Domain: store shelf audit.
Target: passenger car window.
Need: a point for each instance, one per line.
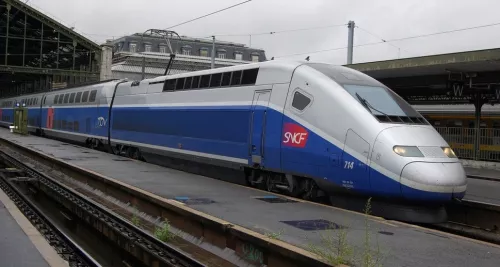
(93, 94)
(85, 96)
(78, 97)
(300, 101)
(72, 98)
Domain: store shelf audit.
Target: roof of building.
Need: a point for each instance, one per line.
(468, 61)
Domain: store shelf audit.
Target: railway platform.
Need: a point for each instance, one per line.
(20, 242)
(483, 182)
(300, 223)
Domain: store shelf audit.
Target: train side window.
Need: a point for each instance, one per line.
(236, 78)
(92, 96)
(56, 98)
(249, 76)
(85, 96)
(300, 101)
(189, 80)
(205, 81)
(66, 98)
(196, 82)
(226, 79)
(170, 85)
(180, 84)
(72, 98)
(78, 97)
(216, 79)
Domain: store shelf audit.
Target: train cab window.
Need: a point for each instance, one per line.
(205, 81)
(85, 96)
(66, 98)
(300, 101)
(196, 81)
(72, 98)
(93, 95)
(236, 80)
(249, 76)
(216, 79)
(180, 84)
(187, 85)
(78, 97)
(226, 79)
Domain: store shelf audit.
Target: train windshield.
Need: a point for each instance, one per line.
(381, 101)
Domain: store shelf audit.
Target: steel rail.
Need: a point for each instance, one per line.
(164, 252)
(63, 244)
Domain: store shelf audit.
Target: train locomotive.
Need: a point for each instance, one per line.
(306, 129)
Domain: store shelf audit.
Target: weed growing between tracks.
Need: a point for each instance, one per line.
(164, 233)
(336, 250)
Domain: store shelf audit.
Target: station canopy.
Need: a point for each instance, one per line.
(455, 78)
(37, 52)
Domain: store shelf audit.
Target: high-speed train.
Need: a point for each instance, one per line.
(304, 128)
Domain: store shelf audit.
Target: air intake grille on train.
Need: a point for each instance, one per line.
(432, 151)
(401, 119)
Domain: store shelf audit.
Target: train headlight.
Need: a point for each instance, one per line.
(407, 151)
(449, 152)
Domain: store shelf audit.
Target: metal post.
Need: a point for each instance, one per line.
(213, 52)
(350, 41)
(7, 34)
(24, 38)
(143, 67)
(478, 103)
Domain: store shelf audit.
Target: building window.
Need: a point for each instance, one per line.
(147, 48)
(204, 52)
(255, 58)
(221, 55)
(186, 51)
(163, 49)
(238, 56)
(132, 47)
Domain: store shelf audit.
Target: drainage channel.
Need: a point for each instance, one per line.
(83, 231)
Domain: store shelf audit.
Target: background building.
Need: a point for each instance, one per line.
(137, 56)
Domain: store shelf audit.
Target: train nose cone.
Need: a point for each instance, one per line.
(433, 180)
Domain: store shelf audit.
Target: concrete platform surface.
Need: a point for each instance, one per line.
(21, 245)
(400, 244)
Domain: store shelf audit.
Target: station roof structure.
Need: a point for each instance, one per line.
(37, 51)
(445, 79)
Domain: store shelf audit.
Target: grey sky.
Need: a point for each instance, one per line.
(389, 19)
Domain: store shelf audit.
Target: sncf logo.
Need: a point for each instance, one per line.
(294, 135)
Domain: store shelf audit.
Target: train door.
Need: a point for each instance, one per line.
(355, 162)
(258, 114)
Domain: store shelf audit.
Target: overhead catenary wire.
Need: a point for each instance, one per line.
(394, 40)
(283, 31)
(382, 39)
(220, 10)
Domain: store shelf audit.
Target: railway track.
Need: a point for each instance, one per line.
(467, 218)
(63, 244)
(143, 244)
(218, 234)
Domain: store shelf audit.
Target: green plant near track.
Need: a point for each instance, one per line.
(135, 219)
(336, 250)
(275, 235)
(164, 233)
